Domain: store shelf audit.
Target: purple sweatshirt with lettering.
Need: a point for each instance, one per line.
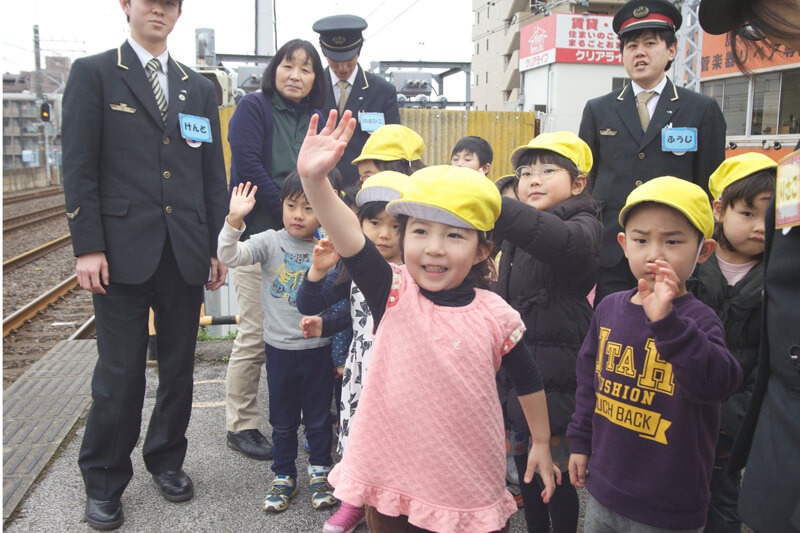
(648, 408)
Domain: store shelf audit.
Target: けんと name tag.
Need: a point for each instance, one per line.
(194, 128)
(679, 140)
(371, 121)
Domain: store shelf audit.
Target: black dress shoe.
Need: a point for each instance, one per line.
(175, 485)
(103, 514)
(251, 443)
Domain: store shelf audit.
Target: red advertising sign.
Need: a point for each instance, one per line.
(566, 38)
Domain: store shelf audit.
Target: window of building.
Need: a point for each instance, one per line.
(789, 121)
(768, 104)
(487, 45)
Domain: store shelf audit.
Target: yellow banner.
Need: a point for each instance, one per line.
(648, 424)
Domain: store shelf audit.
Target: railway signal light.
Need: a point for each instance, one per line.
(44, 112)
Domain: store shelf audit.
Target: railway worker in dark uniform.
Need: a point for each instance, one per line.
(650, 128)
(372, 100)
(146, 198)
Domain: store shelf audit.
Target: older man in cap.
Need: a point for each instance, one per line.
(371, 99)
(649, 128)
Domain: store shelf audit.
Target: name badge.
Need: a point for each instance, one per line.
(194, 128)
(371, 121)
(679, 140)
(787, 192)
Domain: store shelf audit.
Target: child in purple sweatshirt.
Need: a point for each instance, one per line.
(652, 373)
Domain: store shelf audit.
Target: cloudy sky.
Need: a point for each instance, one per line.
(408, 30)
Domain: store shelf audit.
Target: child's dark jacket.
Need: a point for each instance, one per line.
(547, 267)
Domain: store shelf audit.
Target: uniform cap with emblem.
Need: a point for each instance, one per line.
(340, 36)
(735, 168)
(456, 196)
(563, 143)
(646, 15)
(679, 194)
(384, 186)
(392, 142)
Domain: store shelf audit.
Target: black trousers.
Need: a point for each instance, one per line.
(118, 384)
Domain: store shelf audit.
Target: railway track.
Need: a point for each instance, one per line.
(31, 255)
(41, 215)
(43, 193)
(34, 307)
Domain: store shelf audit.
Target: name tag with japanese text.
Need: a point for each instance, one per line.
(371, 121)
(787, 192)
(194, 128)
(679, 140)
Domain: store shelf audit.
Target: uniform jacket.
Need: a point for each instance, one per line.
(769, 436)
(370, 94)
(624, 158)
(547, 267)
(129, 179)
(739, 308)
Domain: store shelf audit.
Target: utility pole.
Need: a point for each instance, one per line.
(41, 97)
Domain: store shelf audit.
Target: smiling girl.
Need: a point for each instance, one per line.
(414, 457)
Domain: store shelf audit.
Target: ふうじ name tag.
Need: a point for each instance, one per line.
(195, 129)
(679, 140)
(371, 121)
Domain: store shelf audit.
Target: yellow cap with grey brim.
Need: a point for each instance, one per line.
(685, 196)
(392, 142)
(382, 187)
(456, 196)
(735, 168)
(563, 143)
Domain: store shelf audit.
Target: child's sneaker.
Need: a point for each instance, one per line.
(321, 490)
(345, 520)
(283, 488)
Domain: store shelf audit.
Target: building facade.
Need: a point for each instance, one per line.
(497, 84)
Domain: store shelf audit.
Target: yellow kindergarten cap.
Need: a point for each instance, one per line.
(382, 187)
(679, 194)
(456, 196)
(563, 143)
(735, 168)
(392, 142)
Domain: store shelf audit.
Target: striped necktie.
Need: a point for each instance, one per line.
(153, 66)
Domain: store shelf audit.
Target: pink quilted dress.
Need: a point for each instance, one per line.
(428, 438)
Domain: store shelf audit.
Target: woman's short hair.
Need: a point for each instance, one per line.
(317, 95)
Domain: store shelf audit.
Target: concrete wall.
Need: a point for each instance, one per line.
(565, 88)
(21, 179)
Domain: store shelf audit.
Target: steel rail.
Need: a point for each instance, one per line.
(25, 313)
(17, 198)
(31, 255)
(21, 221)
(84, 331)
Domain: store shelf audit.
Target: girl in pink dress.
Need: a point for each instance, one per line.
(425, 452)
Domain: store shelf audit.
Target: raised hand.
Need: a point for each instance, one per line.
(657, 302)
(321, 151)
(323, 258)
(243, 200)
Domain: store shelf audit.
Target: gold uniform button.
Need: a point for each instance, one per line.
(642, 155)
(165, 140)
(169, 209)
(638, 182)
(166, 174)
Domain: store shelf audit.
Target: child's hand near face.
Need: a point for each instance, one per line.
(243, 200)
(657, 302)
(311, 326)
(323, 258)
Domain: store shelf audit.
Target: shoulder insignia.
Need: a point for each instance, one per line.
(608, 132)
(73, 214)
(641, 12)
(122, 106)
